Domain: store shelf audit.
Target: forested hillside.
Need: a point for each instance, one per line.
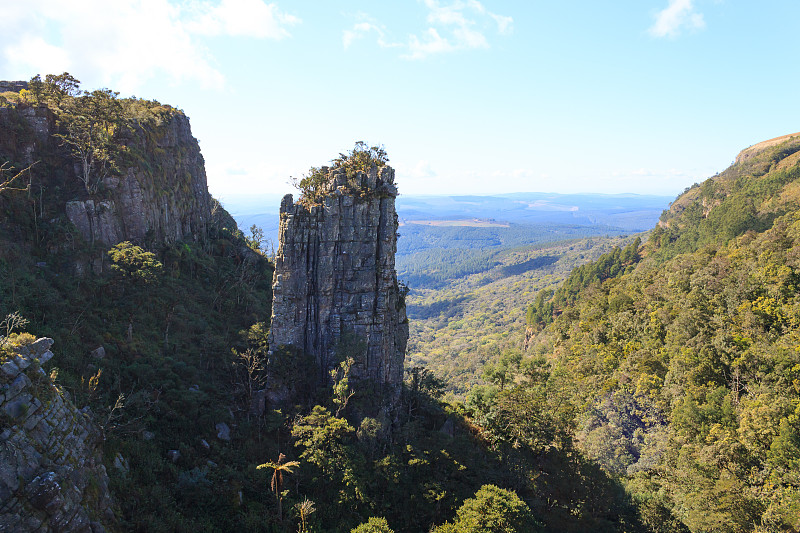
(681, 360)
(436, 257)
(471, 318)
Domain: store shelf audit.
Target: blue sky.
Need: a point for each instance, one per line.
(643, 96)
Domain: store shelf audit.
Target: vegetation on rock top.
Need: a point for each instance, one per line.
(355, 164)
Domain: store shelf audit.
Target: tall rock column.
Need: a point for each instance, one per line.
(335, 287)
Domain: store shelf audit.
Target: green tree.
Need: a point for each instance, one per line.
(279, 468)
(136, 269)
(321, 434)
(492, 510)
(258, 242)
(92, 122)
(134, 264)
(534, 417)
(59, 86)
(341, 385)
(324, 440)
(36, 87)
(373, 525)
(503, 370)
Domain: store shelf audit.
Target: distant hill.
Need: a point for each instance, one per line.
(433, 219)
(629, 212)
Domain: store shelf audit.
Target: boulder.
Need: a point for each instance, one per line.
(223, 431)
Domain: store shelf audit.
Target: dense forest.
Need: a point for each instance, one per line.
(657, 388)
(434, 257)
(682, 357)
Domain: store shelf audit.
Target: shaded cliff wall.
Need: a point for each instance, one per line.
(163, 197)
(51, 473)
(161, 192)
(335, 287)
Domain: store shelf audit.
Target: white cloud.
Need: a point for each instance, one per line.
(463, 26)
(243, 18)
(678, 15)
(504, 24)
(449, 14)
(419, 177)
(358, 31)
(422, 169)
(469, 38)
(37, 51)
(125, 43)
(431, 43)
(452, 26)
(364, 28)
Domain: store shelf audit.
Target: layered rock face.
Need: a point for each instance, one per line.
(335, 287)
(160, 195)
(51, 473)
(168, 203)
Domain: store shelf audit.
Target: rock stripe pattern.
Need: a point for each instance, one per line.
(335, 285)
(52, 477)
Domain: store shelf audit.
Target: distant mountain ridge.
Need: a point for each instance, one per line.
(631, 212)
(624, 212)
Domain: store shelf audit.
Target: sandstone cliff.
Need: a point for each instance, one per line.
(335, 286)
(51, 473)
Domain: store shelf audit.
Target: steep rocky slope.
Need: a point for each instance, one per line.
(167, 203)
(158, 191)
(145, 329)
(52, 476)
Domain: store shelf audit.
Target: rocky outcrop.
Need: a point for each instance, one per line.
(51, 473)
(335, 287)
(164, 198)
(160, 193)
(13, 86)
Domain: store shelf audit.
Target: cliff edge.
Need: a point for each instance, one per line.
(117, 169)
